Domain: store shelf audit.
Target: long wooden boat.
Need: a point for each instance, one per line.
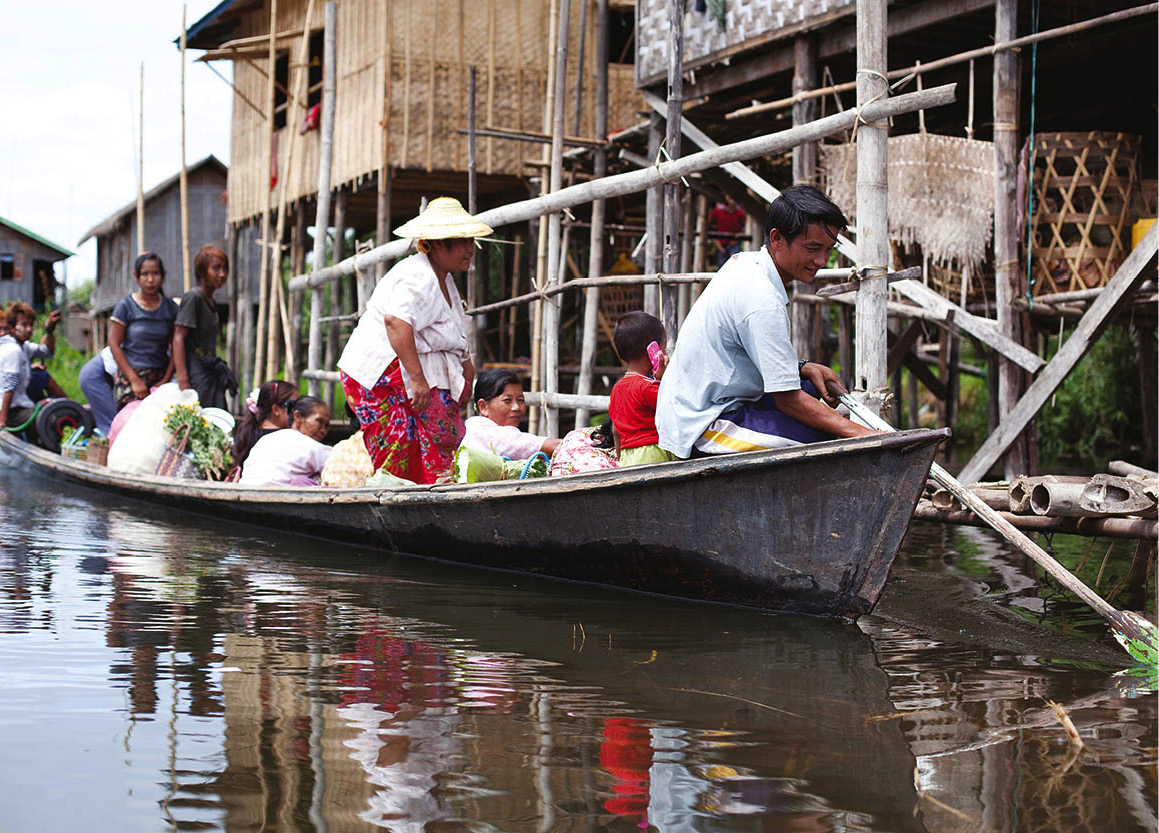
(811, 529)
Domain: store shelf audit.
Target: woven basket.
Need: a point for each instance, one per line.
(176, 461)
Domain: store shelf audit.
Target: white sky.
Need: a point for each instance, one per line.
(68, 112)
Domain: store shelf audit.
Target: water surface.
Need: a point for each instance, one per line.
(160, 671)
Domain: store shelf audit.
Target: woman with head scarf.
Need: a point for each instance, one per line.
(406, 370)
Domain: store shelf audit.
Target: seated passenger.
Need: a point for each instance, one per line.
(96, 380)
(633, 401)
(292, 456)
(16, 353)
(499, 401)
(267, 410)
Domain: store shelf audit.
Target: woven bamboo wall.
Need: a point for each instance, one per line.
(429, 46)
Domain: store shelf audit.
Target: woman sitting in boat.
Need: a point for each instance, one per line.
(195, 356)
(406, 369)
(141, 333)
(292, 456)
(501, 406)
(16, 355)
(267, 410)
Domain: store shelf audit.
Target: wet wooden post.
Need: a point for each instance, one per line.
(872, 201)
(596, 239)
(321, 221)
(264, 260)
(555, 255)
(654, 219)
(671, 231)
(1007, 264)
(804, 173)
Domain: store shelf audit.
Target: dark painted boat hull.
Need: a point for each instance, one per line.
(811, 529)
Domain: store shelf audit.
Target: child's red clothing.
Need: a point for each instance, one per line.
(633, 410)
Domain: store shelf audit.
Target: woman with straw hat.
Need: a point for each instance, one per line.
(406, 369)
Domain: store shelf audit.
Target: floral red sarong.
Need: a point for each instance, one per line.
(417, 447)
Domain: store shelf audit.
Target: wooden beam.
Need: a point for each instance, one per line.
(743, 173)
(902, 344)
(1085, 334)
(983, 329)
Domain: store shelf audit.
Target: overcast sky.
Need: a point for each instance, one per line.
(68, 112)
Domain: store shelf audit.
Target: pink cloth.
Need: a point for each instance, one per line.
(575, 454)
(121, 418)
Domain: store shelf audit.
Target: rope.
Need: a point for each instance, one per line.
(663, 151)
(17, 428)
(857, 118)
(863, 273)
(1030, 172)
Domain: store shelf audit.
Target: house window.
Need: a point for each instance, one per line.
(7, 267)
(282, 79)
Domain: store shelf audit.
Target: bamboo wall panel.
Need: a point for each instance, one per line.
(432, 44)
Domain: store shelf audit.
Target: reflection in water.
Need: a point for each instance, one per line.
(169, 672)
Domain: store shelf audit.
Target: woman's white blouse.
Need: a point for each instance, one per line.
(410, 292)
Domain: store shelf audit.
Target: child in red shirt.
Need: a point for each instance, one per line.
(633, 405)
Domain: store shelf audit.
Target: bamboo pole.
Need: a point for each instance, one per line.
(872, 201)
(533, 415)
(277, 309)
(654, 218)
(640, 180)
(1007, 245)
(186, 261)
(672, 118)
(325, 154)
(804, 173)
(336, 301)
(555, 255)
(264, 260)
(141, 163)
(952, 60)
(475, 336)
(597, 281)
(382, 213)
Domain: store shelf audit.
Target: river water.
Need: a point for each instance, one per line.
(161, 671)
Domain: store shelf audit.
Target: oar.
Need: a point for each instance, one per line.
(1135, 633)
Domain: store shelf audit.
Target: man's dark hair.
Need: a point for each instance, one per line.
(492, 383)
(634, 332)
(797, 207)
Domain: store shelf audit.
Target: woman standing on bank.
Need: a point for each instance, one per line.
(406, 370)
(195, 334)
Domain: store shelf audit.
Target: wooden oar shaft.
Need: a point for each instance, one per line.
(1010, 532)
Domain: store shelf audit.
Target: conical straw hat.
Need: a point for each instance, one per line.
(444, 218)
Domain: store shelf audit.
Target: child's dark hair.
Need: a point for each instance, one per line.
(204, 255)
(145, 256)
(273, 392)
(492, 383)
(797, 207)
(634, 332)
(304, 406)
(604, 436)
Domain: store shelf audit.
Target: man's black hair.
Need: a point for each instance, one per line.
(492, 383)
(797, 207)
(634, 332)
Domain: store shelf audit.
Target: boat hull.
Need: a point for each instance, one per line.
(811, 529)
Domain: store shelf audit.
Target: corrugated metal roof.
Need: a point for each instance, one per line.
(34, 236)
(111, 222)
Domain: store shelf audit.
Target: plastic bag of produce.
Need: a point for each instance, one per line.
(143, 439)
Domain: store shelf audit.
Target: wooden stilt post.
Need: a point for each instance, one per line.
(654, 219)
(872, 201)
(474, 338)
(297, 257)
(382, 232)
(555, 255)
(271, 156)
(684, 290)
(245, 301)
(231, 328)
(1008, 273)
(186, 260)
(596, 239)
(322, 219)
(336, 305)
(671, 249)
(804, 173)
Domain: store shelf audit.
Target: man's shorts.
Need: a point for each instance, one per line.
(757, 426)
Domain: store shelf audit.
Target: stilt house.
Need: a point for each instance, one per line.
(26, 265)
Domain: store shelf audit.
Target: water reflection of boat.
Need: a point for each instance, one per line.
(812, 529)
